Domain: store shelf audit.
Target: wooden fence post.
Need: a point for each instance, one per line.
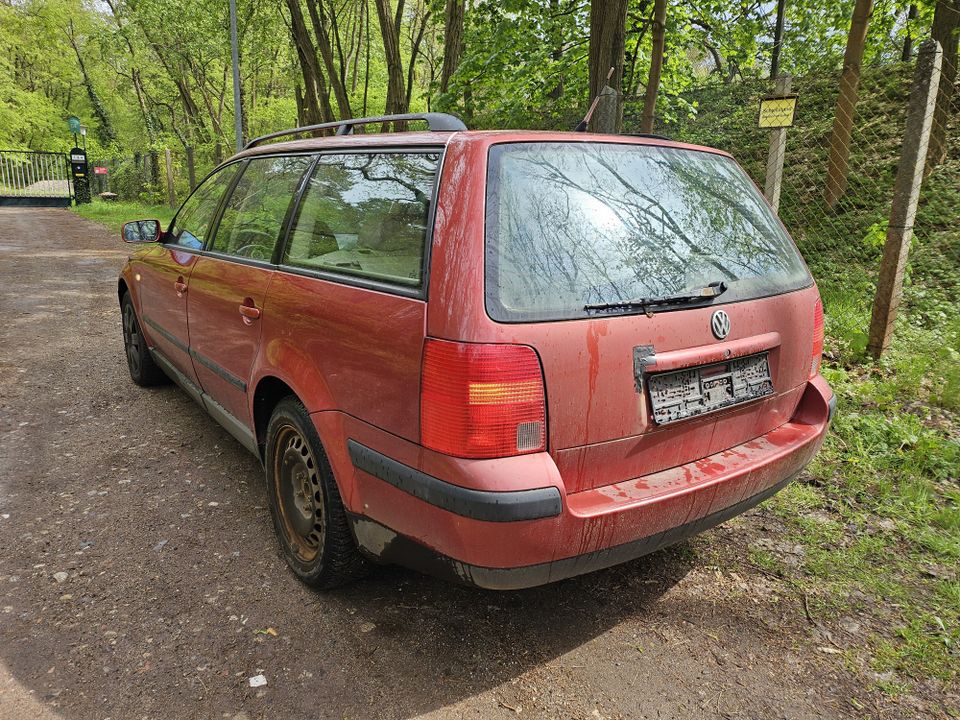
(171, 196)
(778, 146)
(191, 168)
(906, 193)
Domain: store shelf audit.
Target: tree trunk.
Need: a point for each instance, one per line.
(319, 20)
(414, 50)
(777, 40)
(837, 165)
(390, 31)
(136, 79)
(452, 41)
(631, 83)
(656, 65)
(946, 26)
(316, 99)
(105, 132)
(303, 116)
(907, 51)
(177, 77)
(366, 62)
(608, 19)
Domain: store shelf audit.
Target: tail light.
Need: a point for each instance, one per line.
(481, 401)
(817, 353)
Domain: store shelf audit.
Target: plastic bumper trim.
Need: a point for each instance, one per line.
(510, 506)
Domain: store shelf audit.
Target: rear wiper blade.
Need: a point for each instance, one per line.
(707, 292)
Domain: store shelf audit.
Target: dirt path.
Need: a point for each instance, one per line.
(139, 577)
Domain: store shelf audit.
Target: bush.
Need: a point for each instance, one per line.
(127, 180)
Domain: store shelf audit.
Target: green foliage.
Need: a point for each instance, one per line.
(158, 70)
(115, 214)
(887, 520)
(127, 180)
(525, 65)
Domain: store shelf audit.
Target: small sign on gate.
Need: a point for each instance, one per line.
(99, 170)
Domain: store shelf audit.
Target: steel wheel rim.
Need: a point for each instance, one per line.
(132, 340)
(298, 494)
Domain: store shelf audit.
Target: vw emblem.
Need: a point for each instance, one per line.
(720, 324)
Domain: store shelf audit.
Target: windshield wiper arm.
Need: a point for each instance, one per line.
(707, 292)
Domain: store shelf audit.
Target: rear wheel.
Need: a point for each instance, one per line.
(143, 370)
(305, 503)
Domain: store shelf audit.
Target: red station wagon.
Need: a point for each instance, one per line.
(501, 357)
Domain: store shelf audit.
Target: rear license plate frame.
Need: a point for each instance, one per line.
(694, 391)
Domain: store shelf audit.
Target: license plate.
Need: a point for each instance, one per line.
(686, 393)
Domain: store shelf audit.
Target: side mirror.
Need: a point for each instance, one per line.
(141, 231)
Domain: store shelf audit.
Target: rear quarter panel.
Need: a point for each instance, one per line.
(345, 348)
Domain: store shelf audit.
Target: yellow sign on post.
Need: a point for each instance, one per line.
(777, 112)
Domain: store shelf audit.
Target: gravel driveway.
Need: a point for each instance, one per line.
(139, 576)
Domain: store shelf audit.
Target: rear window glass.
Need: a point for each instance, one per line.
(365, 215)
(571, 224)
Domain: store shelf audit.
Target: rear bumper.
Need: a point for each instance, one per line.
(536, 533)
(401, 550)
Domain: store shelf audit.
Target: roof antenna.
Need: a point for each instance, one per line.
(582, 125)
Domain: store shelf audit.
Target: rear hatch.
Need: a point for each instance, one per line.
(672, 314)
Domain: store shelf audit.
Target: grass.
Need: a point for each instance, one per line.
(114, 214)
(879, 513)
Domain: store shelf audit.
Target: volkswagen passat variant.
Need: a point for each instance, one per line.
(502, 357)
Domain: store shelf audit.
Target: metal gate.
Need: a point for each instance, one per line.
(28, 177)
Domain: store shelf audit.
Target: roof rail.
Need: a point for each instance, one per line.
(652, 136)
(437, 122)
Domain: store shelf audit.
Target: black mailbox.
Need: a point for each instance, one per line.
(79, 173)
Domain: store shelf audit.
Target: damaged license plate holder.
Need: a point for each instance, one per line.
(686, 393)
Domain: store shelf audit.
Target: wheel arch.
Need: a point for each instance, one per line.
(269, 392)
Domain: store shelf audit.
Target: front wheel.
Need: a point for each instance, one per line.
(143, 370)
(308, 514)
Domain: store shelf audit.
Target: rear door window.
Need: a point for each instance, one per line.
(253, 217)
(193, 221)
(365, 215)
(572, 224)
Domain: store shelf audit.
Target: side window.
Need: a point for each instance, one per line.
(192, 223)
(253, 216)
(365, 215)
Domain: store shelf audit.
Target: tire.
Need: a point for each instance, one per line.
(307, 510)
(143, 370)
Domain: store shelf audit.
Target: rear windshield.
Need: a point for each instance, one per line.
(572, 224)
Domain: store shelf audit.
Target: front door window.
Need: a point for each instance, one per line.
(192, 224)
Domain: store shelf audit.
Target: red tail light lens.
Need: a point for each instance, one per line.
(481, 401)
(817, 353)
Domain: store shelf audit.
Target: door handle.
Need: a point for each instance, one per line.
(249, 313)
(180, 286)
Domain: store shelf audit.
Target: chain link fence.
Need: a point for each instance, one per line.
(843, 242)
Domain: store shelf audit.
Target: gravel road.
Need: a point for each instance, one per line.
(139, 576)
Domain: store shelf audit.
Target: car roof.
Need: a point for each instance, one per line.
(441, 139)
